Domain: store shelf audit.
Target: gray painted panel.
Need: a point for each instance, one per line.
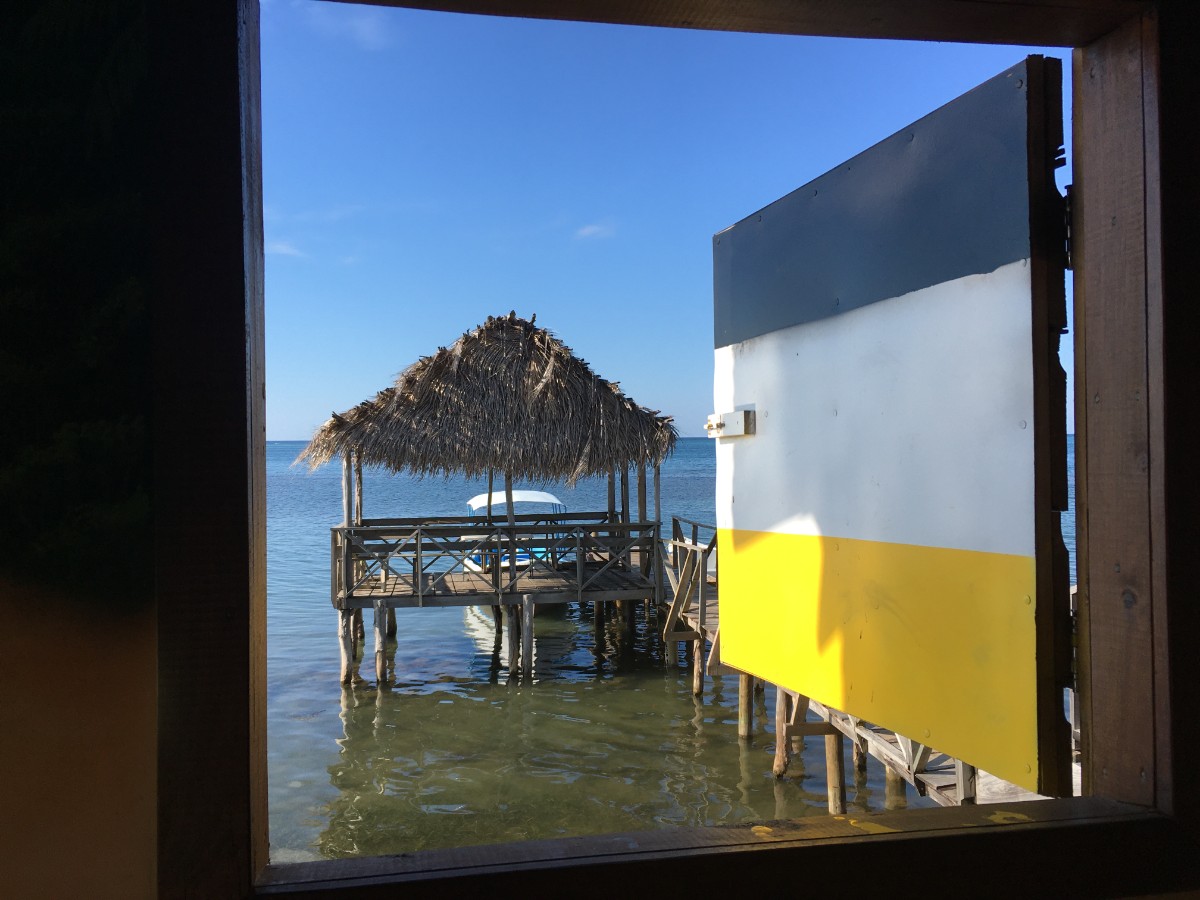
(944, 198)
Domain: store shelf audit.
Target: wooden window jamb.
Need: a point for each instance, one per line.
(209, 443)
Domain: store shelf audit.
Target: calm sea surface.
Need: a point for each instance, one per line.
(607, 737)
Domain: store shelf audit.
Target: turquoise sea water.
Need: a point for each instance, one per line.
(606, 737)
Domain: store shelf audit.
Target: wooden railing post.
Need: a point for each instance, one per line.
(419, 568)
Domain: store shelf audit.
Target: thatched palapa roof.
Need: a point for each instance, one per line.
(506, 397)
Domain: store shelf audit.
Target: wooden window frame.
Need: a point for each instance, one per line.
(1135, 98)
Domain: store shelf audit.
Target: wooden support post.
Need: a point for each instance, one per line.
(512, 540)
(659, 595)
(964, 777)
(624, 496)
(624, 563)
(860, 757)
(358, 490)
(895, 789)
(347, 560)
(381, 612)
(527, 635)
(347, 490)
(782, 743)
(698, 666)
(391, 622)
(745, 705)
(643, 544)
(612, 509)
(658, 494)
(345, 642)
(835, 774)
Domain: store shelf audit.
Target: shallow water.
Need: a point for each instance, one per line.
(605, 737)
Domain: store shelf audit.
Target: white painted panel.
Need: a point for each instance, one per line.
(909, 421)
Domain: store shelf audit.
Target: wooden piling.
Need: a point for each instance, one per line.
(782, 741)
(381, 612)
(514, 636)
(698, 666)
(745, 705)
(835, 773)
(527, 635)
(346, 643)
(895, 789)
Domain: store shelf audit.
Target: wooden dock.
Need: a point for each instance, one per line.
(413, 563)
(530, 560)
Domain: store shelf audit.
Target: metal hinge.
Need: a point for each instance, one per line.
(1068, 236)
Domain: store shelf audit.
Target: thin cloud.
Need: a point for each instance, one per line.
(282, 248)
(595, 231)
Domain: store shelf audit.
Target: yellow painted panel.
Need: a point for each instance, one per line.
(932, 643)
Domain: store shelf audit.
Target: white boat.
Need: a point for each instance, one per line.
(549, 503)
(524, 503)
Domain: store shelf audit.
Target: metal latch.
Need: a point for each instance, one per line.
(738, 423)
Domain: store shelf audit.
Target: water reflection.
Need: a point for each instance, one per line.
(603, 738)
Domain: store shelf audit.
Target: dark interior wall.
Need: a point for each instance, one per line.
(78, 648)
(77, 623)
(74, 361)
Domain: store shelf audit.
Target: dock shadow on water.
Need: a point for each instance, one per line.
(604, 736)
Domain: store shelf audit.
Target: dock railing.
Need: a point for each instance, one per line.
(425, 558)
(690, 550)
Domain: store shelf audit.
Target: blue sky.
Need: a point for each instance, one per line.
(423, 171)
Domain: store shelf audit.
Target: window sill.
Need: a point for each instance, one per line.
(1031, 848)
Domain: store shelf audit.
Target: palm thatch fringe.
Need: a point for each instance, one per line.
(508, 397)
